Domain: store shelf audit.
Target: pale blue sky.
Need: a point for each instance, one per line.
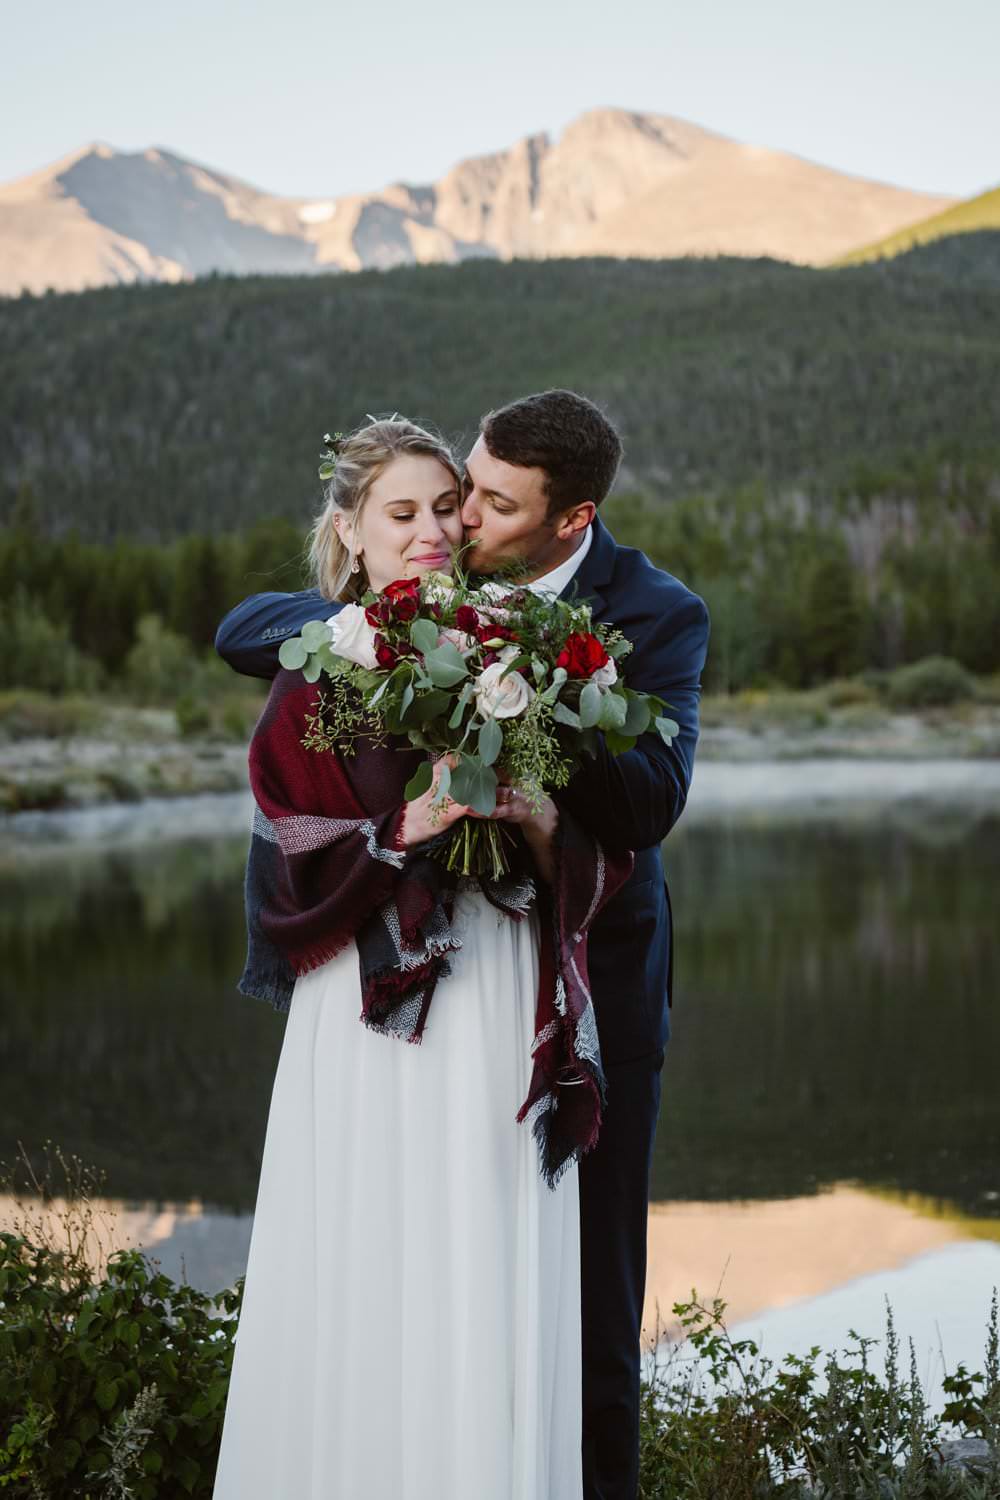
(309, 98)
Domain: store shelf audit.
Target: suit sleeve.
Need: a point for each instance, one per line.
(249, 637)
(632, 800)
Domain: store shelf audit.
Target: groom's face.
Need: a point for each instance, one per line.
(505, 512)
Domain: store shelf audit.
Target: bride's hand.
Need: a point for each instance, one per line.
(427, 816)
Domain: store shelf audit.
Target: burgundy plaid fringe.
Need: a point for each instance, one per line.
(327, 867)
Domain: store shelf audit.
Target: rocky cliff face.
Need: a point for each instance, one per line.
(615, 183)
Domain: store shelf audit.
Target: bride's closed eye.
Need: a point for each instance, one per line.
(439, 510)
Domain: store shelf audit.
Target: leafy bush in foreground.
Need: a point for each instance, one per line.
(113, 1385)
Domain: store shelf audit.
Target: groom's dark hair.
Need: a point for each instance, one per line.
(562, 433)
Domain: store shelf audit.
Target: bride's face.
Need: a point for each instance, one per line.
(410, 521)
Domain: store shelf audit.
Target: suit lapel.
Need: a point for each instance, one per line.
(595, 572)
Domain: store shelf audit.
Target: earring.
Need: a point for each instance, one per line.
(357, 567)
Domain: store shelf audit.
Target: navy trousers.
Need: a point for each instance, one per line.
(614, 1199)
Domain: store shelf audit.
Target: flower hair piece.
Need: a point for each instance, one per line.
(333, 444)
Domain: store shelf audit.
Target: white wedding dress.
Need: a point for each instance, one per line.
(410, 1326)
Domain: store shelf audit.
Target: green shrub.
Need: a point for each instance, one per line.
(238, 718)
(79, 1361)
(847, 692)
(26, 715)
(160, 665)
(193, 716)
(39, 653)
(724, 1422)
(114, 1385)
(934, 681)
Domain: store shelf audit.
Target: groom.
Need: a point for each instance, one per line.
(534, 480)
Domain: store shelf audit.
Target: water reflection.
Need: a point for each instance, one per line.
(834, 1018)
(836, 1013)
(830, 1121)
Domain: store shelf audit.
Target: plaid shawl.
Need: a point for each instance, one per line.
(326, 867)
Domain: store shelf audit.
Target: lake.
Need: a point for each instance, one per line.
(830, 1127)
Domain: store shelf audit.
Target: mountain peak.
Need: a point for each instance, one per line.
(615, 182)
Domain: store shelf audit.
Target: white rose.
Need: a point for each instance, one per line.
(353, 637)
(500, 697)
(606, 676)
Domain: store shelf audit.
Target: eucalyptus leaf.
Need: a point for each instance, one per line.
(419, 782)
(315, 633)
(312, 669)
(406, 699)
(613, 711)
(617, 743)
(637, 715)
(590, 705)
(424, 635)
(667, 729)
(461, 704)
(292, 653)
(617, 649)
(552, 691)
(564, 715)
(442, 672)
(474, 785)
(449, 653)
(444, 782)
(430, 705)
(333, 666)
(490, 742)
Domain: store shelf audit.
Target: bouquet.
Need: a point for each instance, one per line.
(494, 682)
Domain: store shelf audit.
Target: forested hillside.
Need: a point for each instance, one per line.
(816, 452)
(153, 411)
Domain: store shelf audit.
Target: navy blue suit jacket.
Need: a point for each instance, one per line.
(628, 801)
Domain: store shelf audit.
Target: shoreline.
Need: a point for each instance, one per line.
(140, 756)
(924, 793)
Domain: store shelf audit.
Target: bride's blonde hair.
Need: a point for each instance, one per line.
(358, 459)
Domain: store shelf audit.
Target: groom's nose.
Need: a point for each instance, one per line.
(472, 515)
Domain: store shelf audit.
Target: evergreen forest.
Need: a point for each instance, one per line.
(815, 451)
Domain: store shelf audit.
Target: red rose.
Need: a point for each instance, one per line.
(406, 607)
(466, 619)
(384, 653)
(402, 588)
(379, 613)
(495, 633)
(582, 655)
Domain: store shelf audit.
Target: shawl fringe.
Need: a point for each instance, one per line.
(327, 866)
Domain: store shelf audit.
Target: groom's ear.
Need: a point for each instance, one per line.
(577, 518)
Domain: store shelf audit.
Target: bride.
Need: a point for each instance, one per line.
(410, 1326)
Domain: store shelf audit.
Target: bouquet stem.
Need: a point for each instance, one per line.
(476, 847)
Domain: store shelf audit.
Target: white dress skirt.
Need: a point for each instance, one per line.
(410, 1327)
